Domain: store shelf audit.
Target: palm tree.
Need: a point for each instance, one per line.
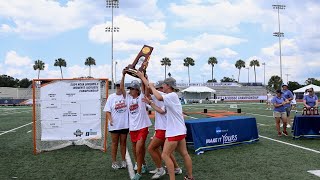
(165, 62)
(212, 61)
(89, 62)
(61, 63)
(188, 62)
(240, 64)
(38, 65)
(275, 82)
(254, 63)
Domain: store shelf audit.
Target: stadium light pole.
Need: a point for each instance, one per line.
(279, 34)
(264, 73)
(248, 75)
(112, 4)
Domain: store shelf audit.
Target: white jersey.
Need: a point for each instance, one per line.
(117, 106)
(269, 97)
(138, 115)
(175, 121)
(160, 119)
(293, 101)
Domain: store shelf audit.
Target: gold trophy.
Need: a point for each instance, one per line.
(141, 61)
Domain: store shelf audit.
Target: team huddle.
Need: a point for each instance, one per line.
(126, 112)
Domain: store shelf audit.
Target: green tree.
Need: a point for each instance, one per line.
(38, 65)
(227, 79)
(275, 82)
(312, 81)
(212, 61)
(239, 65)
(61, 63)
(165, 62)
(8, 81)
(292, 85)
(254, 63)
(90, 62)
(188, 62)
(24, 83)
(212, 80)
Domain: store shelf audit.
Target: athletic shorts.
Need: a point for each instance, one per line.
(161, 134)
(279, 114)
(137, 135)
(177, 138)
(120, 131)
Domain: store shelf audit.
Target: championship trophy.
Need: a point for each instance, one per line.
(141, 61)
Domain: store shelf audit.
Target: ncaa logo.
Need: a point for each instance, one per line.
(218, 130)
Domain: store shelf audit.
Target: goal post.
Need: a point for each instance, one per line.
(69, 112)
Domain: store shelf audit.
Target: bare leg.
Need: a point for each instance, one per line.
(169, 147)
(114, 146)
(154, 151)
(140, 152)
(123, 146)
(182, 149)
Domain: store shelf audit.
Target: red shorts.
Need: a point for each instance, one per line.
(137, 135)
(160, 134)
(176, 138)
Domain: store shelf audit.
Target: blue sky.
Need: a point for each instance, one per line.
(226, 29)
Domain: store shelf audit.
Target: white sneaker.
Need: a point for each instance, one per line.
(281, 125)
(135, 166)
(153, 171)
(288, 126)
(115, 166)
(177, 171)
(123, 165)
(160, 172)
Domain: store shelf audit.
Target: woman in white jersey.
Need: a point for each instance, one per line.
(175, 130)
(160, 128)
(139, 122)
(117, 114)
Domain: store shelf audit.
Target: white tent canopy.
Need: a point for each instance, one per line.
(303, 89)
(199, 89)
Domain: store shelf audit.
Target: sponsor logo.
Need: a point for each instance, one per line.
(78, 133)
(219, 130)
(91, 133)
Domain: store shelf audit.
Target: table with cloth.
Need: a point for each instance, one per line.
(215, 133)
(307, 126)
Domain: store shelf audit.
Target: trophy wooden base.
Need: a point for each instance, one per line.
(132, 72)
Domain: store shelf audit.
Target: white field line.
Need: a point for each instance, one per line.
(29, 131)
(129, 164)
(315, 172)
(15, 129)
(301, 147)
(6, 131)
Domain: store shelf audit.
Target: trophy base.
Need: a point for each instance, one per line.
(132, 72)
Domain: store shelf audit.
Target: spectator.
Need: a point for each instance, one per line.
(279, 112)
(310, 101)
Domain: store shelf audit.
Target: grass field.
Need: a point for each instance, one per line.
(265, 159)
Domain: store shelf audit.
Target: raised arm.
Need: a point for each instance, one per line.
(124, 93)
(153, 105)
(144, 84)
(155, 92)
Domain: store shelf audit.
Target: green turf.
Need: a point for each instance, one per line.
(262, 160)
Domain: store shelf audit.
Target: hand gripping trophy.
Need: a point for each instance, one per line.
(141, 62)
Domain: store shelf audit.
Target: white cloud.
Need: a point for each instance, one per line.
(38, 18)
(12, 58)
(5, 28)
(220, 15)
(131, 30)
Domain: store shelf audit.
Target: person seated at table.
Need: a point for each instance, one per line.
(310, 102)
(279, 112)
